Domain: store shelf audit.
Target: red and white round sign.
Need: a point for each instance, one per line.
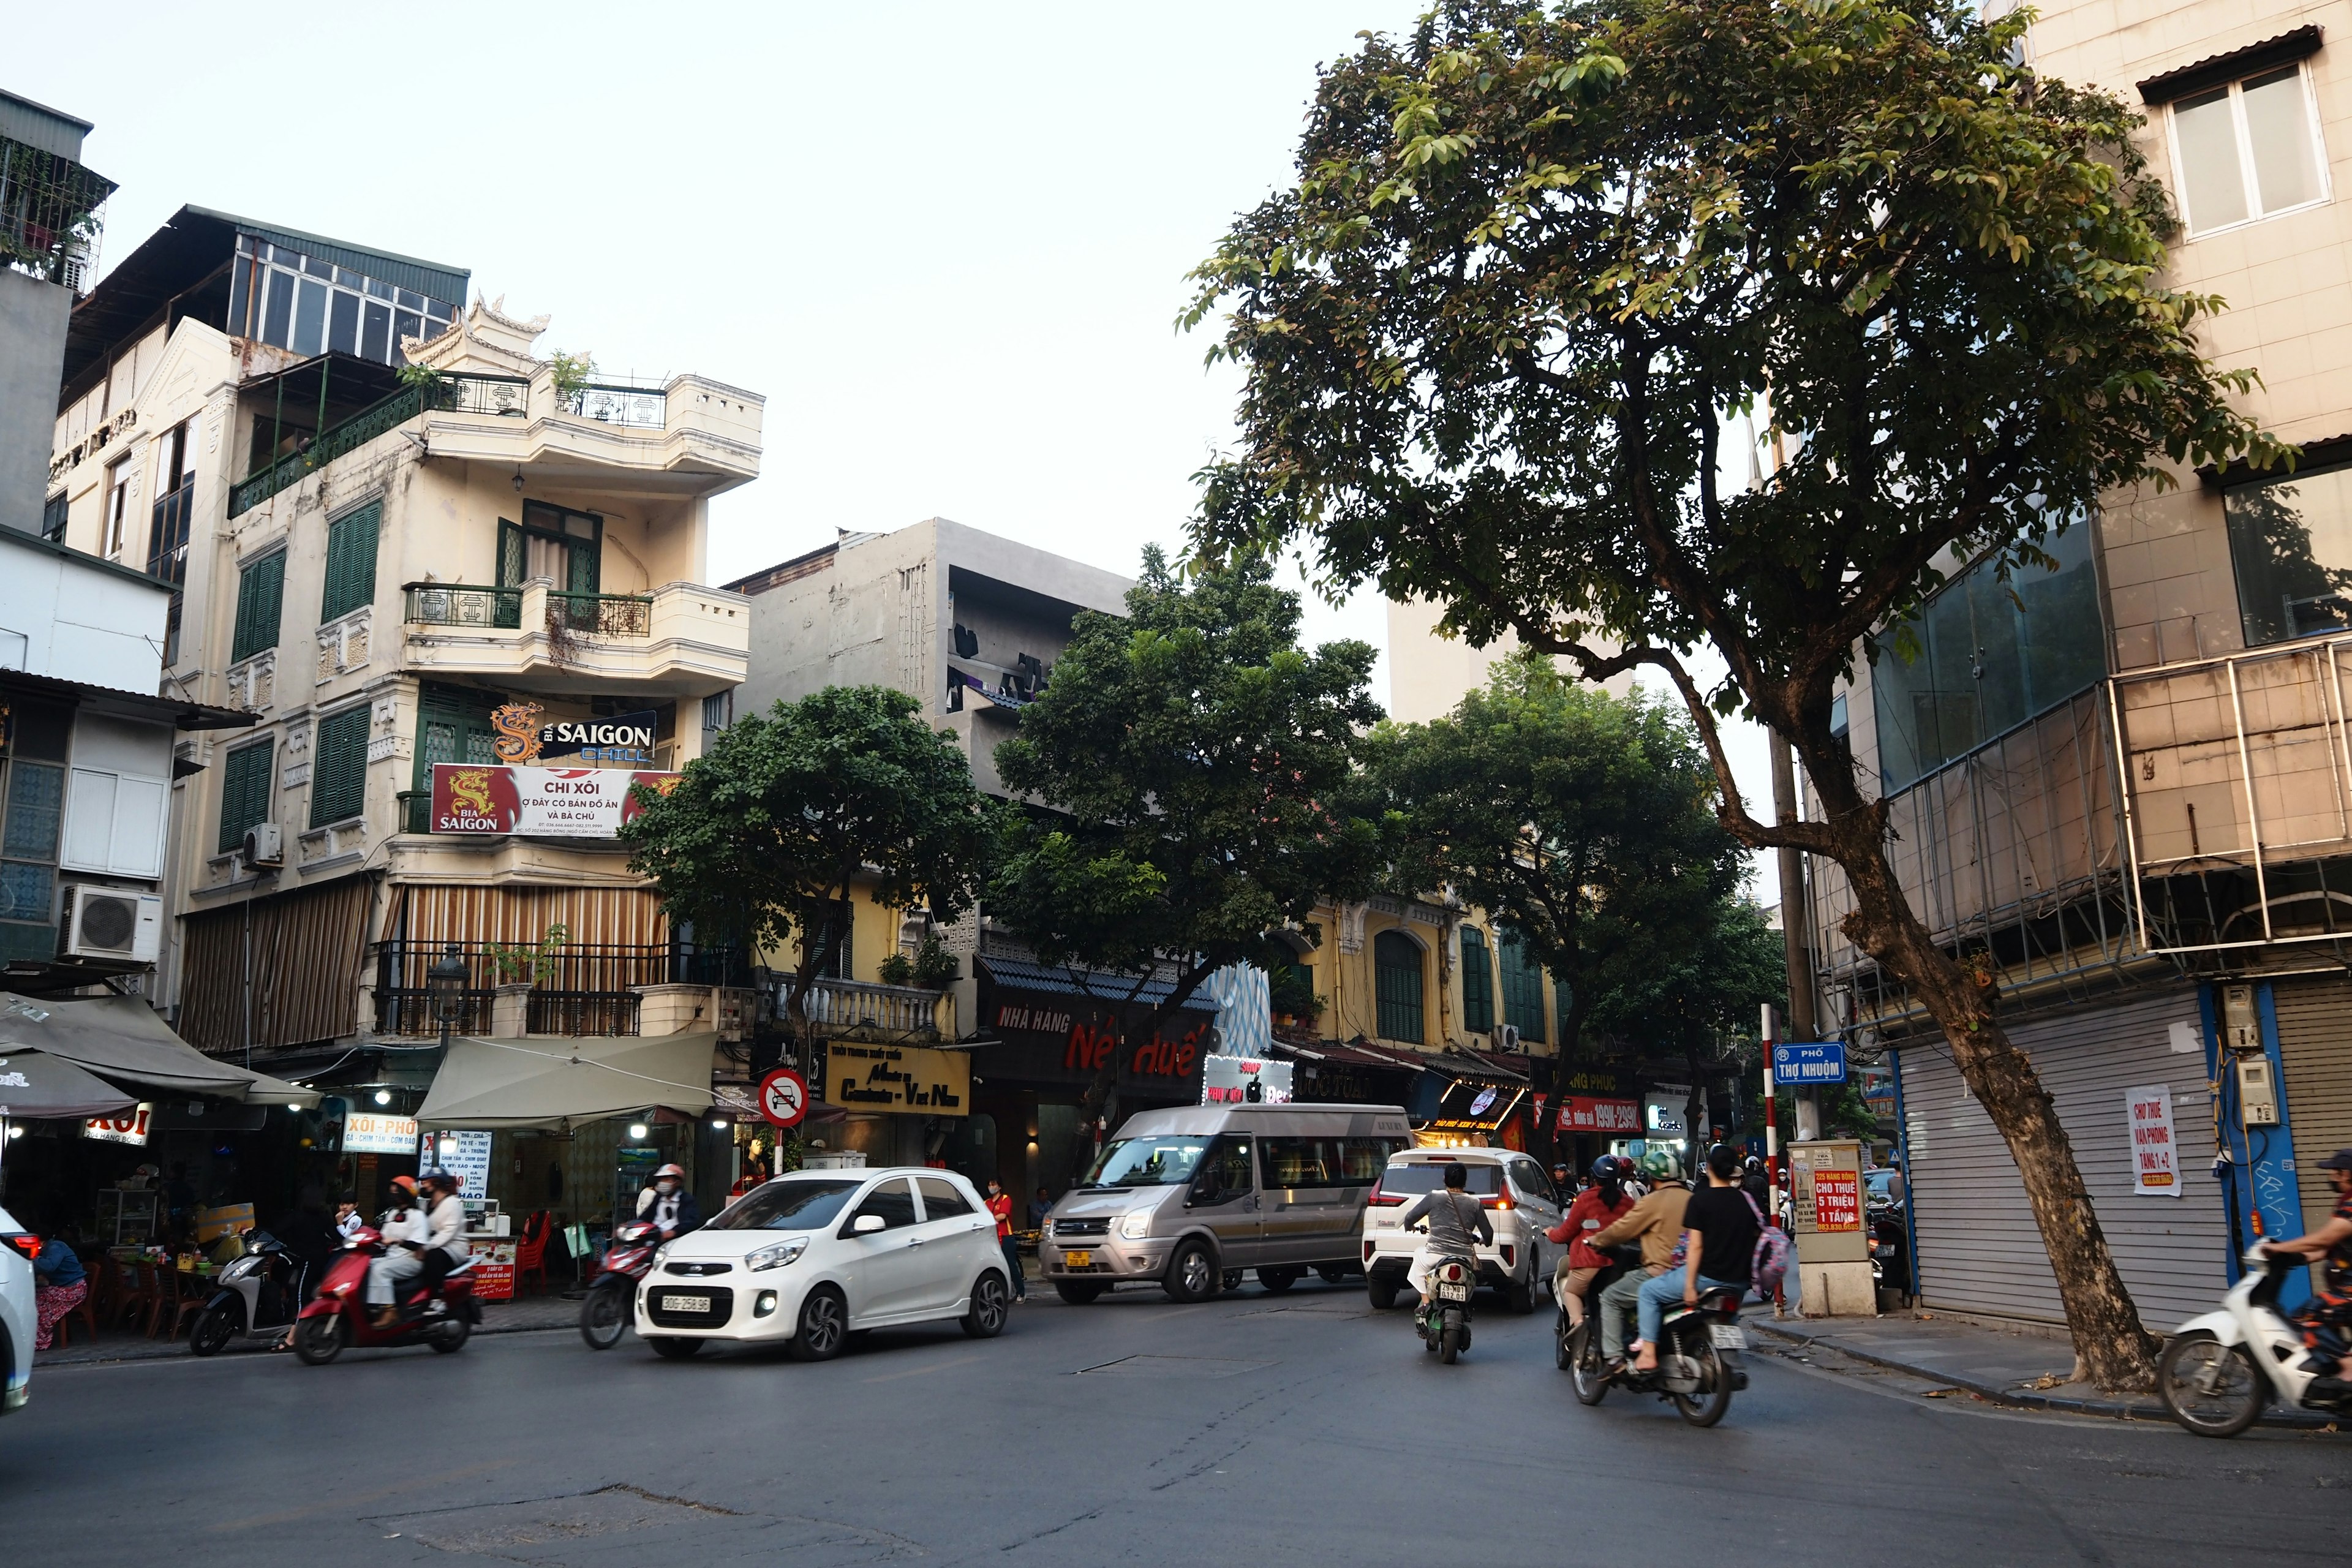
(783, 1097)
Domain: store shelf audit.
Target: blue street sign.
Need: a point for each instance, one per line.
(1799, 1064)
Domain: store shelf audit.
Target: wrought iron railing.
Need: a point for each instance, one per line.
(580, 988)
(600, 615)
(48, 213)
(461, 605)
(636, 407)
(505, 397)
(455, 394)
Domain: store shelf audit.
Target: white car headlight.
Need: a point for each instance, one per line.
(778, 1255)
(661, 1252)
(1135, 1224)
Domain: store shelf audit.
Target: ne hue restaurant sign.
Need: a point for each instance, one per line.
(1047, 1041)
(545, 803)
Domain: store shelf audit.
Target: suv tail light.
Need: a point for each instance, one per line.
(30, 1245)
(1387, 1200)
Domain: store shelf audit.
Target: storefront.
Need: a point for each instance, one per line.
(1331, 1073)
(1471, 1099)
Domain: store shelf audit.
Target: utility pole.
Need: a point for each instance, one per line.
(1794, 927)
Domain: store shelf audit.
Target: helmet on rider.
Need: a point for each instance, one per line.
(438, 1178)
(1610, 1168)
(669, 1178)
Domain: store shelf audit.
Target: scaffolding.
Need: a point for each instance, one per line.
(49, 220)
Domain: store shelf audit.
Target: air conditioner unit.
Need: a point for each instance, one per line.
(99, 922)
(265, 847)
(1506, 1037)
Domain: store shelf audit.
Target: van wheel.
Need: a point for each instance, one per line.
(1231, 1279)
(1331, 1273)
(1191, 1274)
(1279, 1279)
(1382, 1290)
(1077, 1294)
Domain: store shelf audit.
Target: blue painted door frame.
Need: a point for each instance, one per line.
(2260, 1169)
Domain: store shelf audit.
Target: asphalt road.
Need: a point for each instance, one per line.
(1300, 1428)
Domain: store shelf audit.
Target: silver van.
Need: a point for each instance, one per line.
(1191, 1198)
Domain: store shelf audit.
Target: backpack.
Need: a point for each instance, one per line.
(1769, 1263)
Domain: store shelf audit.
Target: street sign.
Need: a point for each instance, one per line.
(783, 1097)
(1796, 1066)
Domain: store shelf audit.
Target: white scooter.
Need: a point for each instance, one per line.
(2218, 1371)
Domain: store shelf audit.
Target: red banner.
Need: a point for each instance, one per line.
(551, 803)
(1580, 1114)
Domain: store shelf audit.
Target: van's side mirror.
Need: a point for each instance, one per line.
(867, 1225)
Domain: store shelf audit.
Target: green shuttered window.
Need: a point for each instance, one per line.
(339, 766)
(1523, 1002)
(1477, 981)
(245, 792)
(1396, 980)
(351, 562)
(261, 596)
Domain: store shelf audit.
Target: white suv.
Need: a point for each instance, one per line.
(16, 1315)
(1511, 1187)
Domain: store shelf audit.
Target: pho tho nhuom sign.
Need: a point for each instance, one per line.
(898, 1079)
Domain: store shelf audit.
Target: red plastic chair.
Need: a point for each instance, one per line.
(531, 1251)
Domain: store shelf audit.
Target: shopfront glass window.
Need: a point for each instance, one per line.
(1991, 655)
(2291, 542)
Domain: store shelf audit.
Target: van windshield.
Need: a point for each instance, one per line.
(1167, 1161)
(805, 1205)
(1412, 1181)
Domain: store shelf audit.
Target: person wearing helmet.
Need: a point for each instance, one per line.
(667, 1205)
(1656, 1220)
(417, 1241)
(1598, 1206)
(2328, 1316)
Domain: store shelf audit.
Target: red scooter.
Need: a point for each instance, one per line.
(339, 1314)
(605, 1315)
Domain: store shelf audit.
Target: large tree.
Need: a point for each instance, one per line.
(1184, 764)
(1586, 824)
(767, 832)
(1537, 259)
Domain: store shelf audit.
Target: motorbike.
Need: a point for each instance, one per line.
(260, 1295)
(1890, 1266)
(443, 1317)
(604, 1314)
(2217, 1372)
(1444, 1315)
(1698, 1368)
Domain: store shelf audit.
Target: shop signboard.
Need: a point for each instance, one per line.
(1064, 1041)
(1226, 1080)
(623, 741)
(463, 1154)
(1584, 1113)
(494, 1267)
(1662, 1114)
(126, 1127)
(904, 1080)
(544, 802)
(2155, 1170)
(370, 1132)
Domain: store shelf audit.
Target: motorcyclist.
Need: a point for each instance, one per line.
(668, 1207)
(1452, 1217)
(2329, 1315)
(445, 1229)
(1596, 1208)
(404, 1231)
(1656, 1221)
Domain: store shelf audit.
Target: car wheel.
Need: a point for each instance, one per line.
(1231, 1279)
(991, 1303)
(320, 1340)
(825, 1326)
(1279, 1279)
(212, 1328)
(1191, 1273)
(1331, 1273)
(1382, 1290)
(670, 1348)
(1519, 1295)
(1076, 1293)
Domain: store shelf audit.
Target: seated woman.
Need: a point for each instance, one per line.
(58, 1285)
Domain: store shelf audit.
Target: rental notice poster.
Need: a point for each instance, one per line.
(543, 802)
(2156, 1169)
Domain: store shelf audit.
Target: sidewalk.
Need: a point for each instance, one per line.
(532, 1313)
(2008, 1366)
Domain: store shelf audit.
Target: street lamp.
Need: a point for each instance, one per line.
(446, 982)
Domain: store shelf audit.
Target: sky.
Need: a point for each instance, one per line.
(947, 242)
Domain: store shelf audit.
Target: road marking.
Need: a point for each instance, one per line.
(920, 1371)
(342, 1504)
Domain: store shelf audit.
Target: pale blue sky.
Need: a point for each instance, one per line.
(947, 242)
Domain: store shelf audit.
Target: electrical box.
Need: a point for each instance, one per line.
(2257, 1092)
(2240, 1030)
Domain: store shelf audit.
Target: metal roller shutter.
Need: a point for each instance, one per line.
(2315, 1026)
(1979, 1250)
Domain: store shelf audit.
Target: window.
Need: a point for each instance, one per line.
(565, 547)
(1429, 1176)
(53, 518)
(451, 726)
(718, 709)
(941, 1199)
(804, 1202)
(1396, 981)
(893, 1200)
(310, 304)
(339, 766)
(1523, 1006)
(1228, 1164)
(2247, 150)
(351, 562)
(1368, 1157)
(1304, 1162)
(833, 925)
(1530, 1180)
(1167, 1159)
(260, 594)
(245, 792)
(2291, 542)
(1991, 655)
(1477, 983)
(118, 502)
(175, 496)
(114, 823)
(32, 812)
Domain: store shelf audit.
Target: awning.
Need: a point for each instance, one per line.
(35, 1084)
(539, 1082)
(1069, 980)
(124, 1039)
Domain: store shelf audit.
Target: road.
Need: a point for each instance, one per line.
(1300, 1428)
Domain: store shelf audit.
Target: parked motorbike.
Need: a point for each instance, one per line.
(258, 1296)
(1698, 1346)
(2218, 1371)
(338, 1315)
(1890, 1263)
(1444, 1315)
(604, 1314)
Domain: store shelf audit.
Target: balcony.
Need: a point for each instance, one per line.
(856, 1009)
(683, 639)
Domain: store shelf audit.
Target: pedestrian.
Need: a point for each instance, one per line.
(60, 1284)
(348, 1217)
(1719, 1235)
(1039, 1207)
(999, 1204)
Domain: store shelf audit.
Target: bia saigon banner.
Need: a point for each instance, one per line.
(547, 803)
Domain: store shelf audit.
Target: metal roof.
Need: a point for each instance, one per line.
(429, 278)
(1071, 981)
(39, 126)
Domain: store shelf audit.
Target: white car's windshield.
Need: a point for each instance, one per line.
(1167, 1161)
(807, 1203)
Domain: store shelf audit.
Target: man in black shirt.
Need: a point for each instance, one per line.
(1720, 1233)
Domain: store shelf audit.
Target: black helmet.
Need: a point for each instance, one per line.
(1610, 1168)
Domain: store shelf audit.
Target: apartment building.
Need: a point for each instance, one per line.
(2126, 790)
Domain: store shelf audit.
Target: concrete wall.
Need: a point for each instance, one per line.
(33, 317)
(77, 620)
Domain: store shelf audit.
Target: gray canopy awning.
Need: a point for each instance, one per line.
(122, 1038)
(36, 1084)
(539, 1082)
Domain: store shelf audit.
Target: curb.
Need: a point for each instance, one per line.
(2022, 1399)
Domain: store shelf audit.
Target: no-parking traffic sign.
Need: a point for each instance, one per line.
(783, 1097)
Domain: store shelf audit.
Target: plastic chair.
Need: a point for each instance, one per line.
(190, 1292)
(58, 1335)
(147, 1296)
(531, 1251)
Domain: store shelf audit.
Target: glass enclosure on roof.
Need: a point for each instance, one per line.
(311, 305)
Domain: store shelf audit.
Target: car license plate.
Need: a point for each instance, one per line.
(1728, 1336)
(685, 1303)
(1453, 1292)
(1078, 1260)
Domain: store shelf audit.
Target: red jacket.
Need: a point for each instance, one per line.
(1001, 1205)
(1587, 1214)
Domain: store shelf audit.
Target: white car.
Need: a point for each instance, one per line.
(1511, 1187)
(17, 1322)
(808, 1258)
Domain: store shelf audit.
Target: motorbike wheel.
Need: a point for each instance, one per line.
(452, 1335)
(320, 1340)
(2210, 1388)
(1449, 1338)
(1584, 1369)
(604, 1318)
(213, 1330)
(1705, 1407)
